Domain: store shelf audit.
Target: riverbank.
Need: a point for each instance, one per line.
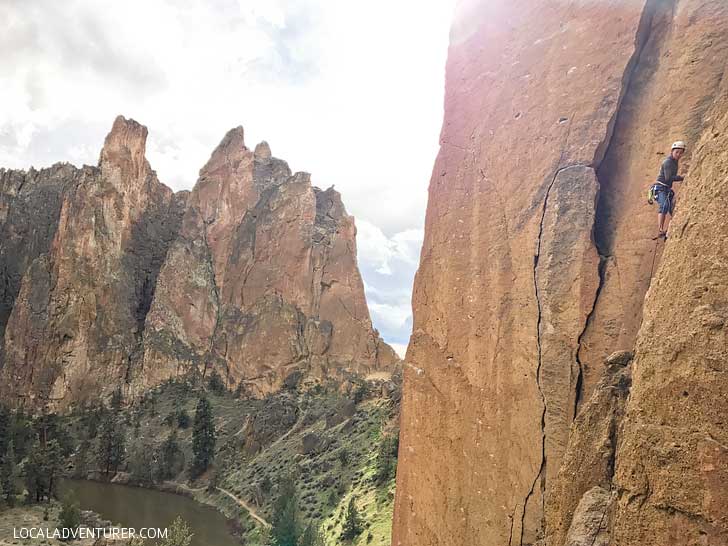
(16, 523)
(217, 499)
(335, 446)
(147, 507)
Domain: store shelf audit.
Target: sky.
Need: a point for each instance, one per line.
(349, 91)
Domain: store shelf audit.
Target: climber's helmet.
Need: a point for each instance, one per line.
(678, 149)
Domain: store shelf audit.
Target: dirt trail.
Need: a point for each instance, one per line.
(241, 502)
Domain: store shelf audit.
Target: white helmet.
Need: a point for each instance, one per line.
(679, 145)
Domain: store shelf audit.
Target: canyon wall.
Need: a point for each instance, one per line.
(109, 279)
(537, 257)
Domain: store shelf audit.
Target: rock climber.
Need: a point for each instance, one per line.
(662, 189)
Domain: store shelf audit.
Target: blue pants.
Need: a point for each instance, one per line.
(666, 201)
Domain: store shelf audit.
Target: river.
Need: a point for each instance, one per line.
(137, 507)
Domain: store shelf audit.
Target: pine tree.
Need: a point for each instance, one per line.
(203, 438)
(5, 429)
(386, 459)
(216, 384)
(117, 400)
(111, 448)
(284, 530)
(141, 463)
(171, 458)
(80, 462)
(352, 523)
(8, 475)
(183, 419)
(50, 427)
(69, 516)
(312, 537)
(22, 433)
(43, 467)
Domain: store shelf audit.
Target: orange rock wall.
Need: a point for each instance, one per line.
(109, 279)
(538, 250)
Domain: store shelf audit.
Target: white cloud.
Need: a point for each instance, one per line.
(349, 91)
(388, 265)
(379, 250)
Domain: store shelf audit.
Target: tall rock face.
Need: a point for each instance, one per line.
(274, 291)
(77, 319)
(537, 257)
(672, 461)
(109, 279)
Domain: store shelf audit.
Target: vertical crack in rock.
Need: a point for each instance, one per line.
(602, 268)
(215, 292)
(536, 258)
(539, 360)
(146, 267)
(642, 37)
(602, 224)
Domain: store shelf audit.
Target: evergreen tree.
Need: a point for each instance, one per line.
(117, 400)
(111, 448)
(312, 537)
(178, 534)
(284, 530)
(5, 429)
(22, 434)
(386, 459)
(216, 384)
(92, 419)
(50, 427)
(171, 458)
(8, 475)
(203, 438)
(69, 516)
(142, 463)
(183, 419)
(80, 463)
(352, 523)
(43, 467)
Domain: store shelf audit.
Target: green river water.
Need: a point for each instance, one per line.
(136, 507)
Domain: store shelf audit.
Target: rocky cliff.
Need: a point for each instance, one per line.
(537, 258)
(108, 278)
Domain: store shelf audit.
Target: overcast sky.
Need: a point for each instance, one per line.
(349, 91)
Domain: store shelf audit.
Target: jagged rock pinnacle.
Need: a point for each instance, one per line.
(124, 148)
(262, 150)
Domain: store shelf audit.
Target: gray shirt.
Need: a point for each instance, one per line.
(668, 172)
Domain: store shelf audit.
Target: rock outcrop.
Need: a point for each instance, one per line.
(109, 279)
(672, 461)
(76, 324)
(587, 467)
(534, 269)
(274, 286)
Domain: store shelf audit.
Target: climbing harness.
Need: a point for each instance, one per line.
(651, 194)
(654, 191)
(656, 188)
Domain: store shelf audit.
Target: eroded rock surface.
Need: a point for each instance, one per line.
(589, 460)
(110, 279)
(76, 324)
(274, 288)
(538, 254)
(672, 463)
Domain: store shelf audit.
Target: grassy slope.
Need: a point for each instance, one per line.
(324, 483)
